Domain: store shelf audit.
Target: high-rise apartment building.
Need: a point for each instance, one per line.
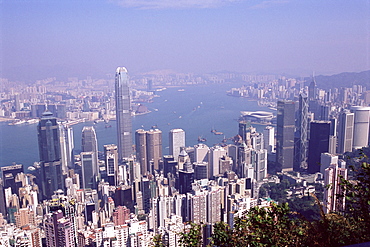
(177, 140)
(285, 135)
(345, 131)
(332, 184)
(123, 113)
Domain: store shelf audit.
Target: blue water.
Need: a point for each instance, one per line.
(197, 110)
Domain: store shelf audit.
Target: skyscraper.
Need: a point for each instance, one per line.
(332, 184)
(177, 140)
(50, 156)
(141, 155)
(66, 146)
(89, 170)
(111, 163)
(318, 144)
(269, 139)
(48, 138)
(361, 126)
(154, 148)
(301, 143)
(345, 132)
(89, 157)
(148, 149)
(123, 113)
(89, 140)
(285, 135)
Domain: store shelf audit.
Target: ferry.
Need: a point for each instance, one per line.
(201, 139)
(32, 121)
(17, 122)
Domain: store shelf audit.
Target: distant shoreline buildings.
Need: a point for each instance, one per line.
(131, 192)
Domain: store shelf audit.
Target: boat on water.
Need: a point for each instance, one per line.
(201, 139)
(216, 132)
(181, 90)
(33, 121)
(17, 122)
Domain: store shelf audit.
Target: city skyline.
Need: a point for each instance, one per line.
(84, 38)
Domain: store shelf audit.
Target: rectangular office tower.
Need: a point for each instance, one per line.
(177, 140)
(318, 144)
(123, 113)
(361, 126)
(285, 135)
(345, 131)
(51, 172)
(148, 149)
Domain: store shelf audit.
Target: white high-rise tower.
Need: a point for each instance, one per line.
(177, 140)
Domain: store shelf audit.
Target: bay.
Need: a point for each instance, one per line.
(196, 109)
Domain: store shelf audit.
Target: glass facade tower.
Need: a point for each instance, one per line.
(123, 114)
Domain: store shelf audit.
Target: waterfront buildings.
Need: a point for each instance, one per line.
(123, 113)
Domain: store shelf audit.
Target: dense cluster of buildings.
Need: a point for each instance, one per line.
(133, 192)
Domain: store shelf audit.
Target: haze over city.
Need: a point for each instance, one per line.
(184, 123)
(89, 38)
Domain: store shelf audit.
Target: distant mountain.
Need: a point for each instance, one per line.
(346, 79)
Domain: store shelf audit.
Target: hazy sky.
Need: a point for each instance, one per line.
(41, 37)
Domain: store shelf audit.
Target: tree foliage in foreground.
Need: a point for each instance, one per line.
(277, 225)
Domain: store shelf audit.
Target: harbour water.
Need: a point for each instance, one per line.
(196, 109)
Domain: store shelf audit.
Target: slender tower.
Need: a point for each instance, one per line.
(301, 148)
(123, 114)
(285, 135)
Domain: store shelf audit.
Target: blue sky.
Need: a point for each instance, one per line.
(69, 38)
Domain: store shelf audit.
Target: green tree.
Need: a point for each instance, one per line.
(192, 236)
(157, 241)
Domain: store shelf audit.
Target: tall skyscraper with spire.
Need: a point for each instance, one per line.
(123, 114)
